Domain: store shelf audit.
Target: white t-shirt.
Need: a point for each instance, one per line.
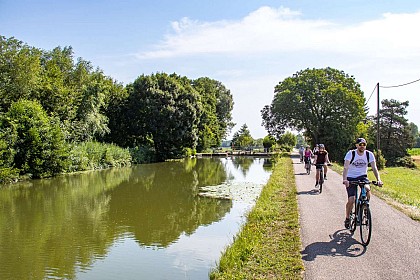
(359, 166)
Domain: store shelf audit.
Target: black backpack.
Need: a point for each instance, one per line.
(353, 154)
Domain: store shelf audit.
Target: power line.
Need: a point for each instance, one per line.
(371, 94)
(399, 85)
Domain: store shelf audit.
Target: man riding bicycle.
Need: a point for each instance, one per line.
(321, 158)
(355, 168)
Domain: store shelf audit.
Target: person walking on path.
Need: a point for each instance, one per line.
(355, 168)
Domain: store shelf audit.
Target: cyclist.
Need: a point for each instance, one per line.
(355, 168)
(308, 155)
(301, 150)
(316, 148)
(321, 157)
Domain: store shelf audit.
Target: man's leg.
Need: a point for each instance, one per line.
(317, 176)
(325, 171)
(349, 206)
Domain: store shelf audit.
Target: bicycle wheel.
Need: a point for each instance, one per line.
(321, 180)
(365, 224)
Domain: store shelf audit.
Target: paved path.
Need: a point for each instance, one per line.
(330, 252)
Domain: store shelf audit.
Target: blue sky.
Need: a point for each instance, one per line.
(249, 46)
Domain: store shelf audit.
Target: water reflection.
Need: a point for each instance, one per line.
(69, 227)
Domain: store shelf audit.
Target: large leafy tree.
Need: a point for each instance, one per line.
(326, 104)
(20, 71)
(215, 118)
(163, 111)
(395, 132)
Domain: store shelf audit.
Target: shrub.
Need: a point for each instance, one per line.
(35, 141)
(380, 160)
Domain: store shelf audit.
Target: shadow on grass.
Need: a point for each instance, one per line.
(341, 244)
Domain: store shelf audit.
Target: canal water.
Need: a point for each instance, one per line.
(168, 220)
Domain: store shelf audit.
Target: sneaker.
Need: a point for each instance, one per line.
(316, 185)
(325, 177)
(347, 223)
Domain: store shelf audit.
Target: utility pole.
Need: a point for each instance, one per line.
(377, 120)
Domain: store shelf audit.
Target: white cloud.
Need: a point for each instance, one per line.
(283, 30)
(250, 56)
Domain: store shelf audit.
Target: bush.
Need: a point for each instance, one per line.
(380, 160)
(143, 154)
(405, 162)
(35, 142)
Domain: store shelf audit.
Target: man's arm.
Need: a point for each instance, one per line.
(345, 172)
(376, 172)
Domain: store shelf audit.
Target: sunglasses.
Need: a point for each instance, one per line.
(362, 144)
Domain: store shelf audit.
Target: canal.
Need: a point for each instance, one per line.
(168, 220)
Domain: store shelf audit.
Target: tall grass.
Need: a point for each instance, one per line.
(94, 155)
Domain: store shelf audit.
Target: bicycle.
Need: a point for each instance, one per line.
(360, 215)
(321, 175)
(308, 165)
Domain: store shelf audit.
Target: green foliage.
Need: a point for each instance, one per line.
(395, 132)
(142, 154)
(326, 104)
(94, 155)
(287, 141)
(414, 152)
(215, 118)
(406, 161)
(269, 143)
(380, 160)
(163, 110)
(242, 139)
(20, 71)
(36, 142)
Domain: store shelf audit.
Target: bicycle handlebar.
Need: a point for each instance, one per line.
(322, 164)
(364, 182)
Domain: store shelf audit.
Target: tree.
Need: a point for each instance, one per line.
(35, 141)
(326, 104)
(215, 118)
(287, 141)
(20, 71)
(269, 142)
(242, 138)
(163, 111)
(415, 133)
(395, 132)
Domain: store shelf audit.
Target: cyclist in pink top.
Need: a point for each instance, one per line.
(308, 154)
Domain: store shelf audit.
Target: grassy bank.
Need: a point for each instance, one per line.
(268, 246)
(401, 188)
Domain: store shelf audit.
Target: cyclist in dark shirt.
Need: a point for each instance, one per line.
(321, 157)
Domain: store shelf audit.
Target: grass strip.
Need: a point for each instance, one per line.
(268, 245)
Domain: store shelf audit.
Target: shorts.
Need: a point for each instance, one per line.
(319, 166)
(351, 190)
(307, 160)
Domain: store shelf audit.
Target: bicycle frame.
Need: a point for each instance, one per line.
(361, 215)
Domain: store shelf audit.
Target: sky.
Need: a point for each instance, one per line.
(250, 46)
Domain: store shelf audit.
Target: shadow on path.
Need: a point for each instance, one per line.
(341, 244)
(311, 192)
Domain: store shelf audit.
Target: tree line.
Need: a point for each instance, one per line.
(52, 104)
(329, 107)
